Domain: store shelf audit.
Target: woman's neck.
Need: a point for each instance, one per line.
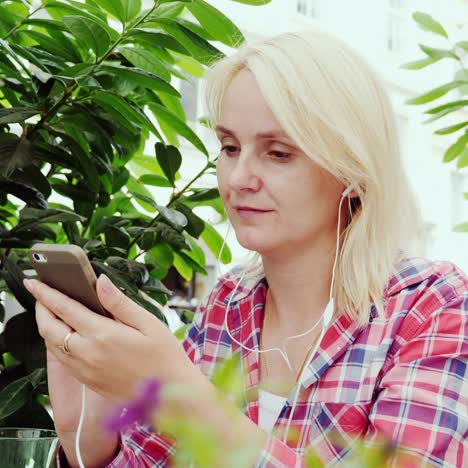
(298, 287)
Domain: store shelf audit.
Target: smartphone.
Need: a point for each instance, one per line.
(66, 267)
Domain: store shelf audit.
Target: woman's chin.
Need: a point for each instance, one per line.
(255, 242)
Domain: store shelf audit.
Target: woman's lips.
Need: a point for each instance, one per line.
(250, 213)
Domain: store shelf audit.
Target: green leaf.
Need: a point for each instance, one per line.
(462, 160)
(155, 180)
(191, 66)
(169, 159)
(58, 10)
(216, 23)
(214, 241)
(462, 45)
(89, 34)
(141, 164)
(419, 64)
(126, 109)
(141, 78)
(78, 193)
(131, 8)
(195, 224)
(160, 254)
(15, 153)
(65, 49)
(253, 2)
(147, 61)
(142, 194)
(461, 228)
(181, 265)
(204, 195)
(450, 105)
(198, 47)
(121, 280)
(161, 113)
(175, 218)
(16, 114)
(16, 395)
(171, 236)
(438, 53)
(13, 276)
(46, 23)
(158, 39)
(196, 254)
(193, 264)
(451, 129)
(115, 8)
(462, 75)
(147, 201)
(32, 174)
(30, 195)
(428, 23)
(455, 149)
(180, 332)
(445, 109)
(435, 93)
(174, 10)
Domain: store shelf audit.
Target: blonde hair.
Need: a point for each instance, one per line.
(334, 106)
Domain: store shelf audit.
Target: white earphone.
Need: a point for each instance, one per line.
(326, 316)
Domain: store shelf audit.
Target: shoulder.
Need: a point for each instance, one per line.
(239, 283)
(421, 289)
(412, 272)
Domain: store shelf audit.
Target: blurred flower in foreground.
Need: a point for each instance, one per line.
(138, 411)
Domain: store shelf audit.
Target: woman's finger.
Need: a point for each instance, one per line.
(54, 331)
(72, 312)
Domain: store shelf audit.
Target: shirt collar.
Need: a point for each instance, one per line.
(407, 272)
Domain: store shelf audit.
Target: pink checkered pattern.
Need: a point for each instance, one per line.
(401, 379)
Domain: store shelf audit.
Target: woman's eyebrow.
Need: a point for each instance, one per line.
(263, 135)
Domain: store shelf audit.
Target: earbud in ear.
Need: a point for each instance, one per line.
(348, 190)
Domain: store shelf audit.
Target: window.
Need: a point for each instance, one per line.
(395, 33)
(307, 8)
(397, 26)
(189, 89)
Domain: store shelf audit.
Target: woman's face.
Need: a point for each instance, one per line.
(275, 196)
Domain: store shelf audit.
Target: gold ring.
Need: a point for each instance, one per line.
(64, 346)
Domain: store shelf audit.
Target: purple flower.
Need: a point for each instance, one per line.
(137, 411)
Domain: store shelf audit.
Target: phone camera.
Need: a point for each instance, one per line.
(39, 258)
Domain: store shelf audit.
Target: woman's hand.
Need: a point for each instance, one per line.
(111, 357)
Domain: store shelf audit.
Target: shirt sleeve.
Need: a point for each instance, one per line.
(139, 446)
(422, 405)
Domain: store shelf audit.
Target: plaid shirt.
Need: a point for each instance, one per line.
(403, 377)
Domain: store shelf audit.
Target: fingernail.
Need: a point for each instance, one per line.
(106, 284)
(29, 285)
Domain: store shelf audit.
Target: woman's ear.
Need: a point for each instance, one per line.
(350, 191)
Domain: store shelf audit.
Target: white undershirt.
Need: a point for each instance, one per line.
(269, 408)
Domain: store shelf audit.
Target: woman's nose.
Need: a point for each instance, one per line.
(244, 174)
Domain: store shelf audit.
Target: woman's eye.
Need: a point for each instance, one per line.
(229, 149)
(280, 155)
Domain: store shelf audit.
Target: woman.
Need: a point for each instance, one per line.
(364, 340)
